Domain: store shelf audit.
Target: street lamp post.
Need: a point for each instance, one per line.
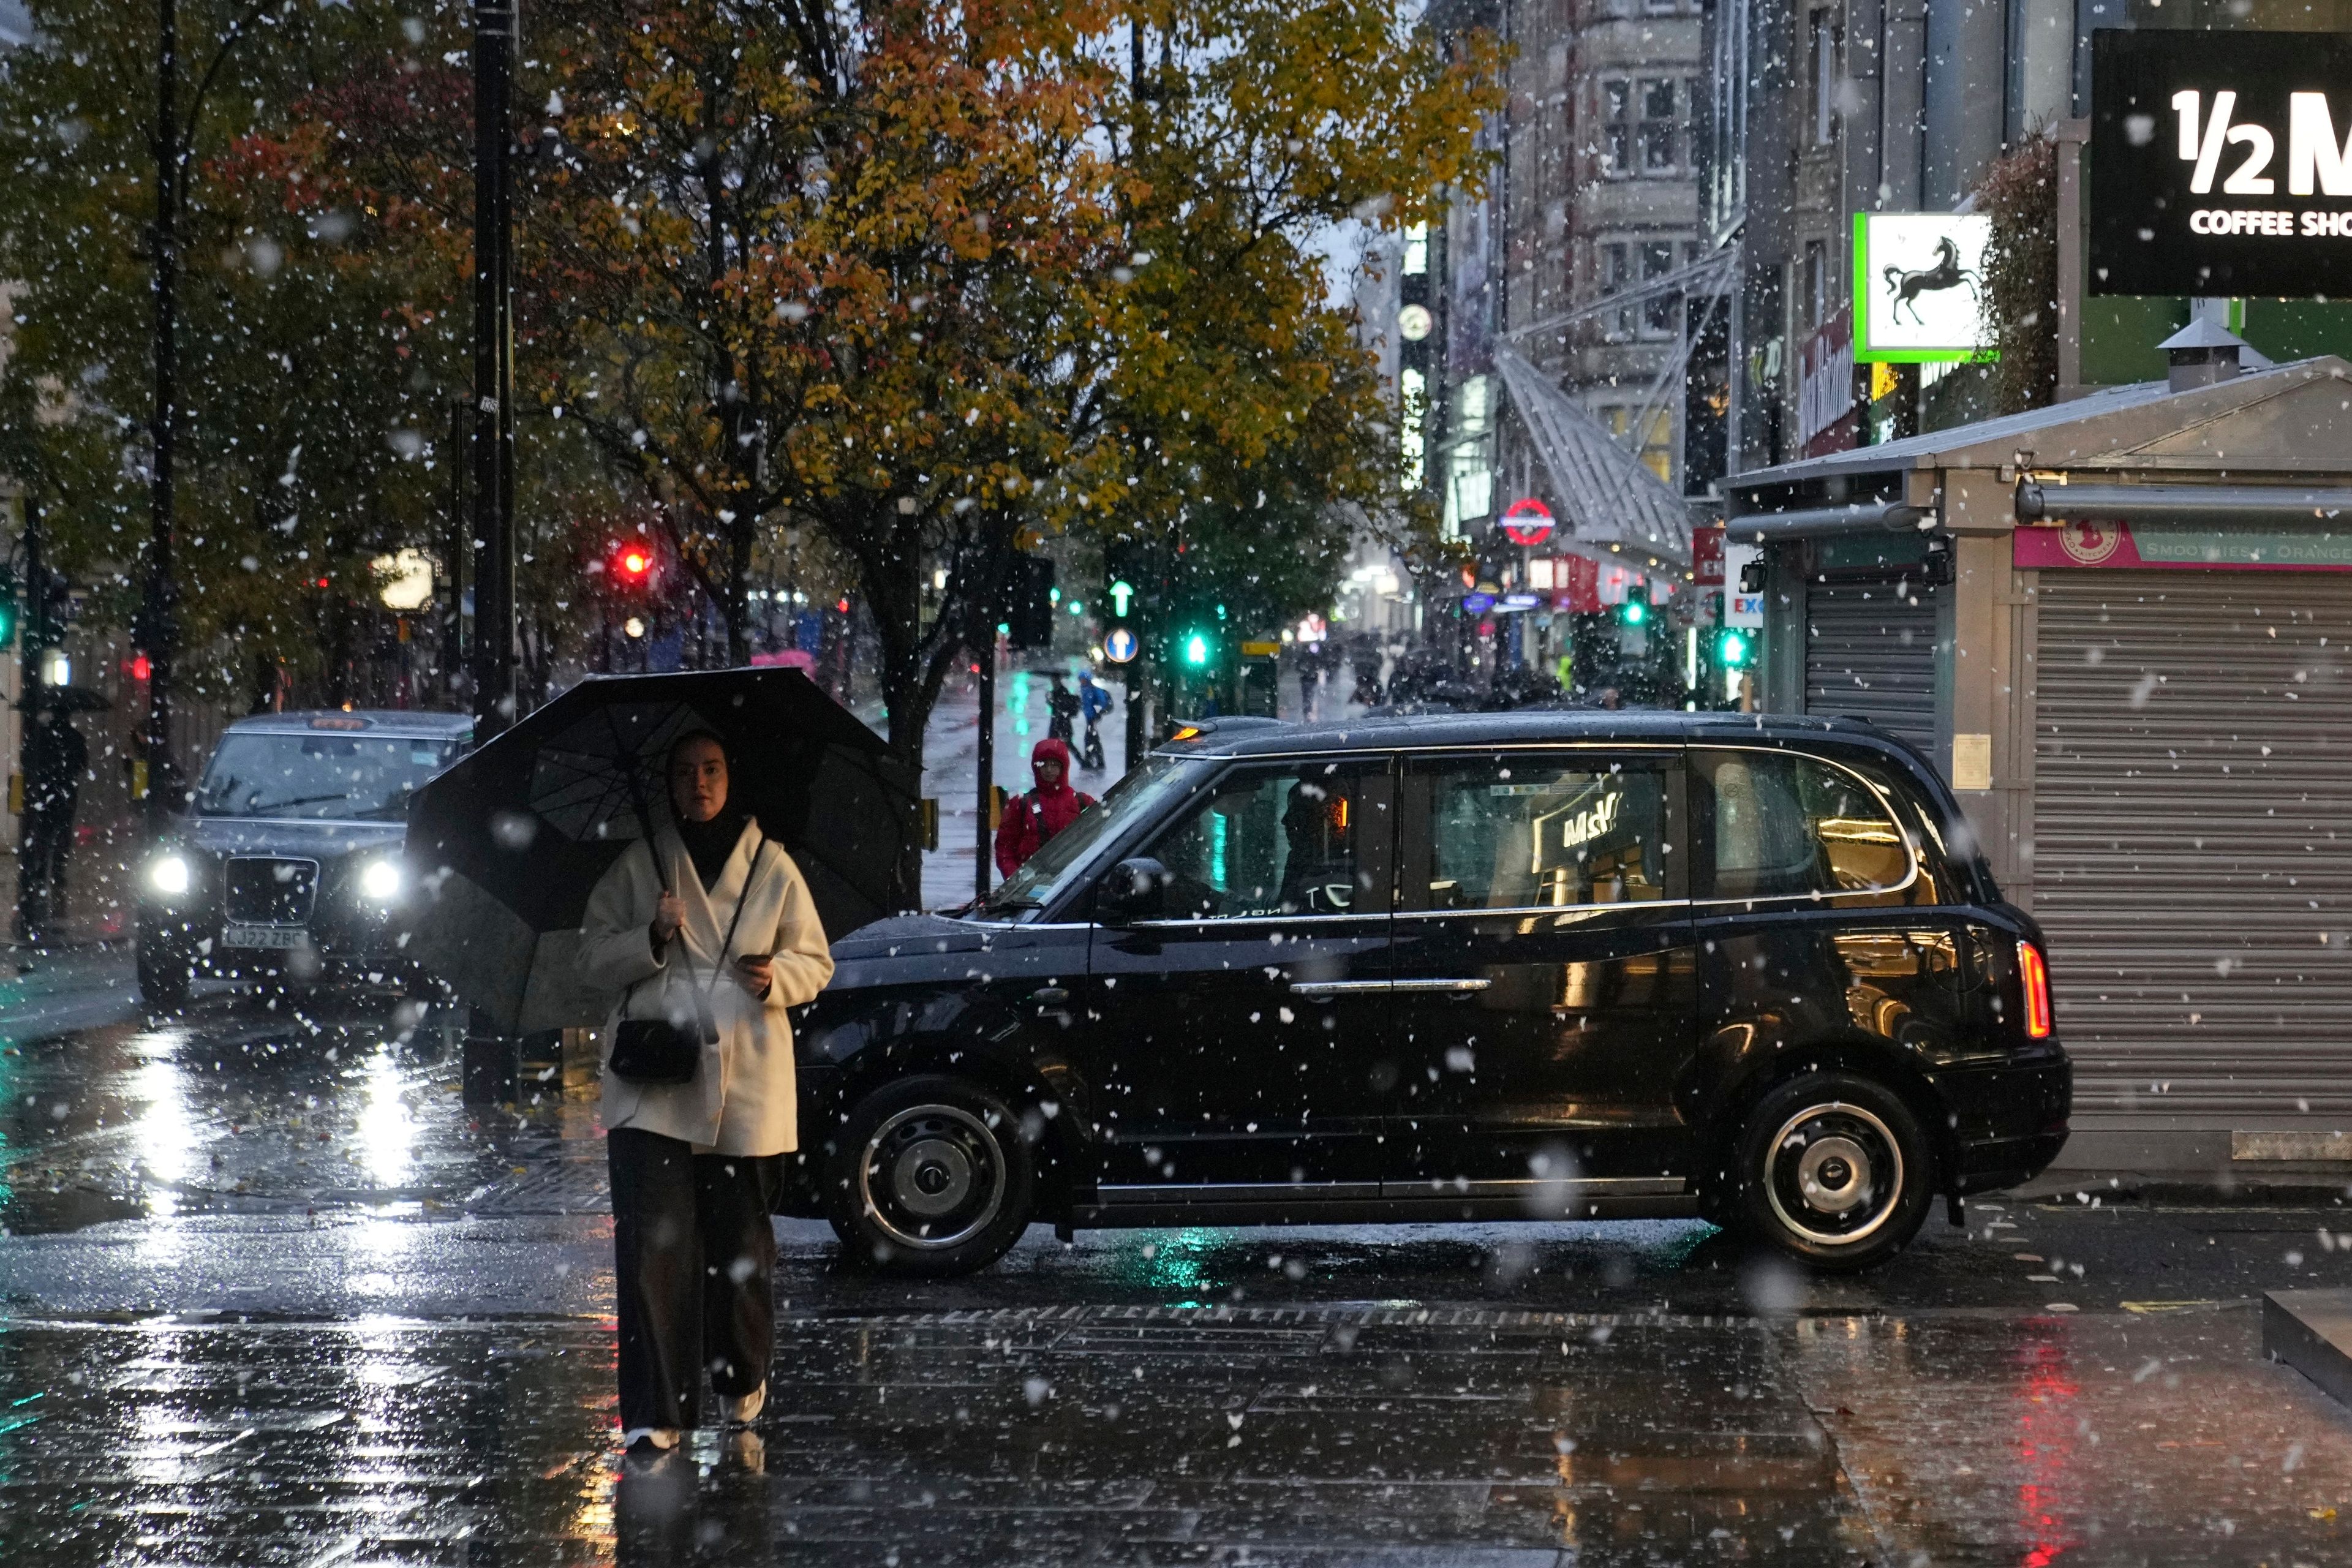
(157, 635)
(497, 24)
(492, 1058)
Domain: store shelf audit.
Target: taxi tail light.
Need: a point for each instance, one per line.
(2035, 974)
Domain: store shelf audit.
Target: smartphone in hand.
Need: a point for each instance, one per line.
(746, 960)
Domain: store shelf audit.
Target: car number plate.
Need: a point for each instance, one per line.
(285, 937)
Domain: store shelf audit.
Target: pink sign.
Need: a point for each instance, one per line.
(2170, 546)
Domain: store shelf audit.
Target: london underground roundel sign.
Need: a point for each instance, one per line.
(1526, 521)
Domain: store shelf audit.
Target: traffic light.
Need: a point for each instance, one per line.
(633, 565)
(1029, 601)
(1634, 613)
(1735, 647)
(10, 612)
(1196, 649)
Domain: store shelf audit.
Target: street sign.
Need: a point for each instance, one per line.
(2223, 163)
(1526, 521)
(1118, 644)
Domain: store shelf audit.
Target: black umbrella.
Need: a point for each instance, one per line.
(507, 845)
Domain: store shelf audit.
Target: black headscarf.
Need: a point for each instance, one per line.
(708, 843)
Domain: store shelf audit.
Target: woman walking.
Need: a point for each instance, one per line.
(708, 933)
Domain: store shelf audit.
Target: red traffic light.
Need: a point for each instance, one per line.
(635, 563)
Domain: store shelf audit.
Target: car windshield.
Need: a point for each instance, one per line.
(1140, 795)
(318, 776)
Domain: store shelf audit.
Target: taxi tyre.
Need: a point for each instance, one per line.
(1832, 1169)
(932, 1176)
(166, 975)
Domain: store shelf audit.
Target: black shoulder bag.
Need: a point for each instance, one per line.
(656, 1050)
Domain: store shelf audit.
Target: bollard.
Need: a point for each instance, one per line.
(493, 1061)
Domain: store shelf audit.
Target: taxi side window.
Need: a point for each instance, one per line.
(1513, 832)
(1775, 826)
(1269, 842)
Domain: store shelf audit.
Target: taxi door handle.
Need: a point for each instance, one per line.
(1391, 987)
(1049, 996)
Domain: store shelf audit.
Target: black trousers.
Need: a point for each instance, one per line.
(694, 1264)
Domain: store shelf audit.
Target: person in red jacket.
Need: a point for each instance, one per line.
(1033, 818)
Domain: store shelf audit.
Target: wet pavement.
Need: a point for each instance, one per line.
(271, 1293)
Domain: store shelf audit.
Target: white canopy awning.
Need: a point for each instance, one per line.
(1603, 495)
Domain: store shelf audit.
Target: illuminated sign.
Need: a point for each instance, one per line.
(1526, 521)
(2224, 162)
(1917, 284)
(1118, 644)
(1594, 821)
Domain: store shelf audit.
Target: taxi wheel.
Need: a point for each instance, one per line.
(165, 977)
(933, 1176)
(1833, 1170)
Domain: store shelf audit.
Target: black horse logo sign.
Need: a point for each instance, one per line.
(1905, 288)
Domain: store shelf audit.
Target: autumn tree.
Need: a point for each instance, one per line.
(926, 277)
(314, 375)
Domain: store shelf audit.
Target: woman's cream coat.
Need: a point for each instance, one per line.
(742, 1098)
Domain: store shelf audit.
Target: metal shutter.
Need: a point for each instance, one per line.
(1870, 651)
(2192, 838)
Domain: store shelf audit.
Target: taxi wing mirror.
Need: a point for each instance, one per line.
(1134, 890)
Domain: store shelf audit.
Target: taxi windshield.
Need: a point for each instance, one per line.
(319, 776)
(1135, 798)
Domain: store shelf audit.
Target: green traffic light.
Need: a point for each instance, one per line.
(1731, 649)
(1196, 649)
(1636, 611)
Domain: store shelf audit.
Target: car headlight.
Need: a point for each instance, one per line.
(169, 875)
(381, 881)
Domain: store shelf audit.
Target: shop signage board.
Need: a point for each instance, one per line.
(1828, 418)
(2098, 541)
(1918, 279)
(2221, 162)
(1707, 556)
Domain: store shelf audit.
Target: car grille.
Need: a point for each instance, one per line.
(271, 891)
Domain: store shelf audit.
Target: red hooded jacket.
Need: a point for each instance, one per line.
(1033, 818)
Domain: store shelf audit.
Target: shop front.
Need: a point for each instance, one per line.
(2123, 628)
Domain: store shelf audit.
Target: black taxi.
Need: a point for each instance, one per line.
(1477, 967)
(285, 863)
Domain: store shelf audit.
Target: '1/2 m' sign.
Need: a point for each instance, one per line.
(2221, 162)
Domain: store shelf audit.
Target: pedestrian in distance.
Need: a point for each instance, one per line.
(708, 933)
(1062, 705)
(1094, 701)
(1030, 819)
(52, 798)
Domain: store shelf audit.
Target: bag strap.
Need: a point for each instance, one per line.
(702, 997)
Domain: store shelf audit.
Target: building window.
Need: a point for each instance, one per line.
(1616, 271)
(1616, 128)
(1662, 7)
(1821, 32)
(1658, 310)
(1658, 126)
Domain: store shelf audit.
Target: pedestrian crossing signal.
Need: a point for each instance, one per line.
(1733, 648)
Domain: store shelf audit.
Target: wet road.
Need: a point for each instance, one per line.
(269, 1292)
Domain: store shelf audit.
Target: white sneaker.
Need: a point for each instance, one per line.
(744, 1411)
(649, 1439)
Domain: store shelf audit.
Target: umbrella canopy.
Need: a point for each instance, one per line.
(507, 845)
